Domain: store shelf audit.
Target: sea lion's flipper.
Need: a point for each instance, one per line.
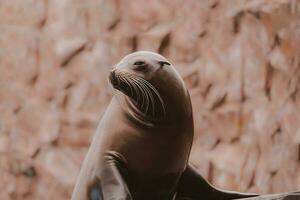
(113, 178)
(193, 186)
(95, 191)
(96, 194)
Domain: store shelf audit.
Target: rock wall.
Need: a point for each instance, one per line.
(240, 60)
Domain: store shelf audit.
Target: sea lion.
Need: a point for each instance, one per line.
(141, 147)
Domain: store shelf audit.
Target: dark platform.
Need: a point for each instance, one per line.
(284, 196)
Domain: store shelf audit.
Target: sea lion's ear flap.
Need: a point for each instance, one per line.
(162, 63)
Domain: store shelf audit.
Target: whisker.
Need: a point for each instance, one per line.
(150, 96)
(145, 94)
(137, 90)
(156, 93)
(128, 83)
(145, 90)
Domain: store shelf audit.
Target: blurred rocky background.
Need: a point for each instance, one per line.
(240, 60)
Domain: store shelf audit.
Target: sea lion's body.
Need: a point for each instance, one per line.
(140, 150)
(148, 154)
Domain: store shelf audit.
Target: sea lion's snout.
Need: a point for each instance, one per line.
(119, 82)
(114, 79)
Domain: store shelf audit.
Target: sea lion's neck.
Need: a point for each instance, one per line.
(176, 109)
(135, 112)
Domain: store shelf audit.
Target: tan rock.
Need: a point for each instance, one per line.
(22, 13)
(239, 60)
(18, 54)
(59, 163)
(32, 115)
(229, 158)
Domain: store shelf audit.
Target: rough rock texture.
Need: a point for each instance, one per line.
(240, 60)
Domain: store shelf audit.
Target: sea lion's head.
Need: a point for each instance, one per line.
(155, 89)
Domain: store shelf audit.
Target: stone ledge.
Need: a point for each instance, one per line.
(284, 196)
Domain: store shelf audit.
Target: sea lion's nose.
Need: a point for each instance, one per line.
(113, 78)
(113, 73)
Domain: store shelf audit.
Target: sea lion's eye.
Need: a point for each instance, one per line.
(138, 63)
(162, 63)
